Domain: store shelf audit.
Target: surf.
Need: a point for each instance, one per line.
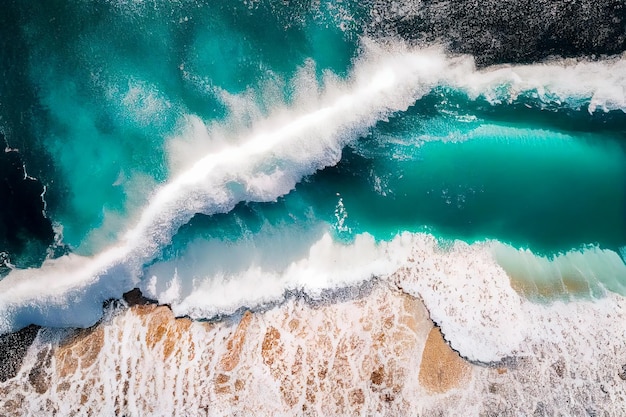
(279, 150)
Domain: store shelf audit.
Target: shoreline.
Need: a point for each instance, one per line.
(259, 340)
(375, 353)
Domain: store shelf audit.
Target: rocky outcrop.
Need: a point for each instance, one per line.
(13, 348)
(376, 354)
(497, 31)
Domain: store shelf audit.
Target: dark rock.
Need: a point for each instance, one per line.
(516, 31)
(135, 297)
(38, 375)
(13, 348)
(559, 367)
(622, 373)
(541, 410)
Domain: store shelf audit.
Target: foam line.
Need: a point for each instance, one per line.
(261, 167)
(466, 288)
(599, 84)
(269, 160)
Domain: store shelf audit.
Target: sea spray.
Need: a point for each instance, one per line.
(298, 146)
(270, 159)
(370, 226)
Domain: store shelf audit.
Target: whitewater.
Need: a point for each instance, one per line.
(318, 200)
(277, 152)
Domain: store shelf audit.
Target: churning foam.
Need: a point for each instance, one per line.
(325, 265)
(261, 167)
(600, 84)
(276, 153)
(469, 290)
(471, 297)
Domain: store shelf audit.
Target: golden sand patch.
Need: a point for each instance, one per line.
(442, 368)
(235, 344)
(568, 285)
(80, 350)
(355, 357)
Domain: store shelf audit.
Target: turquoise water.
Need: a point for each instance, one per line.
(99, 97)
(533, 186)
(114, 79)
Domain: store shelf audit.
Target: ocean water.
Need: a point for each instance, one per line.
(219, 155)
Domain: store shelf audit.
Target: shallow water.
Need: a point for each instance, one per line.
(218, 155)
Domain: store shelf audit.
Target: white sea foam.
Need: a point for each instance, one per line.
(267, 163)
(599, 84)
(325, 264)
(471, 297)
(468, 293)
(268, 159)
